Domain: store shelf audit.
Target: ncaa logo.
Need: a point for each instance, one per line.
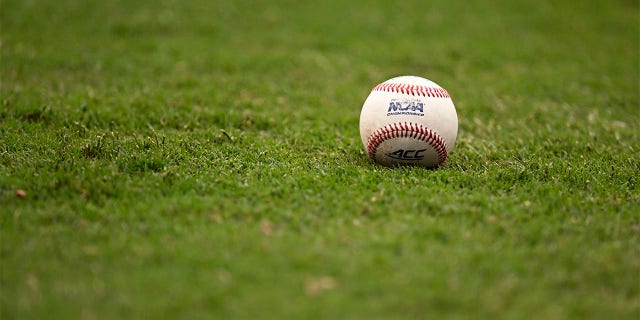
(412, 107)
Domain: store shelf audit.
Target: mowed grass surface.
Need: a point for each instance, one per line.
(201, 159)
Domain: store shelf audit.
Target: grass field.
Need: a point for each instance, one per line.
(202, 160)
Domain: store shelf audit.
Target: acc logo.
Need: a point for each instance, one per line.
(401, 154)
(405, 107)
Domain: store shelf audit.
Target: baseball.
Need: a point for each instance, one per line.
(408, 120)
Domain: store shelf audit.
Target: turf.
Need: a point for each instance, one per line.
(201, 159)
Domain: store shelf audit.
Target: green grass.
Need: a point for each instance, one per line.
(201, 159)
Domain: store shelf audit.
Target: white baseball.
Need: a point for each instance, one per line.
(408, 120)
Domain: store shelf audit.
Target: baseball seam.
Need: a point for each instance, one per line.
(407, 130)
(416, 90)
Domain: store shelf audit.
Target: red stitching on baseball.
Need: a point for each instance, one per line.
(404, 129)
(416, 90)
